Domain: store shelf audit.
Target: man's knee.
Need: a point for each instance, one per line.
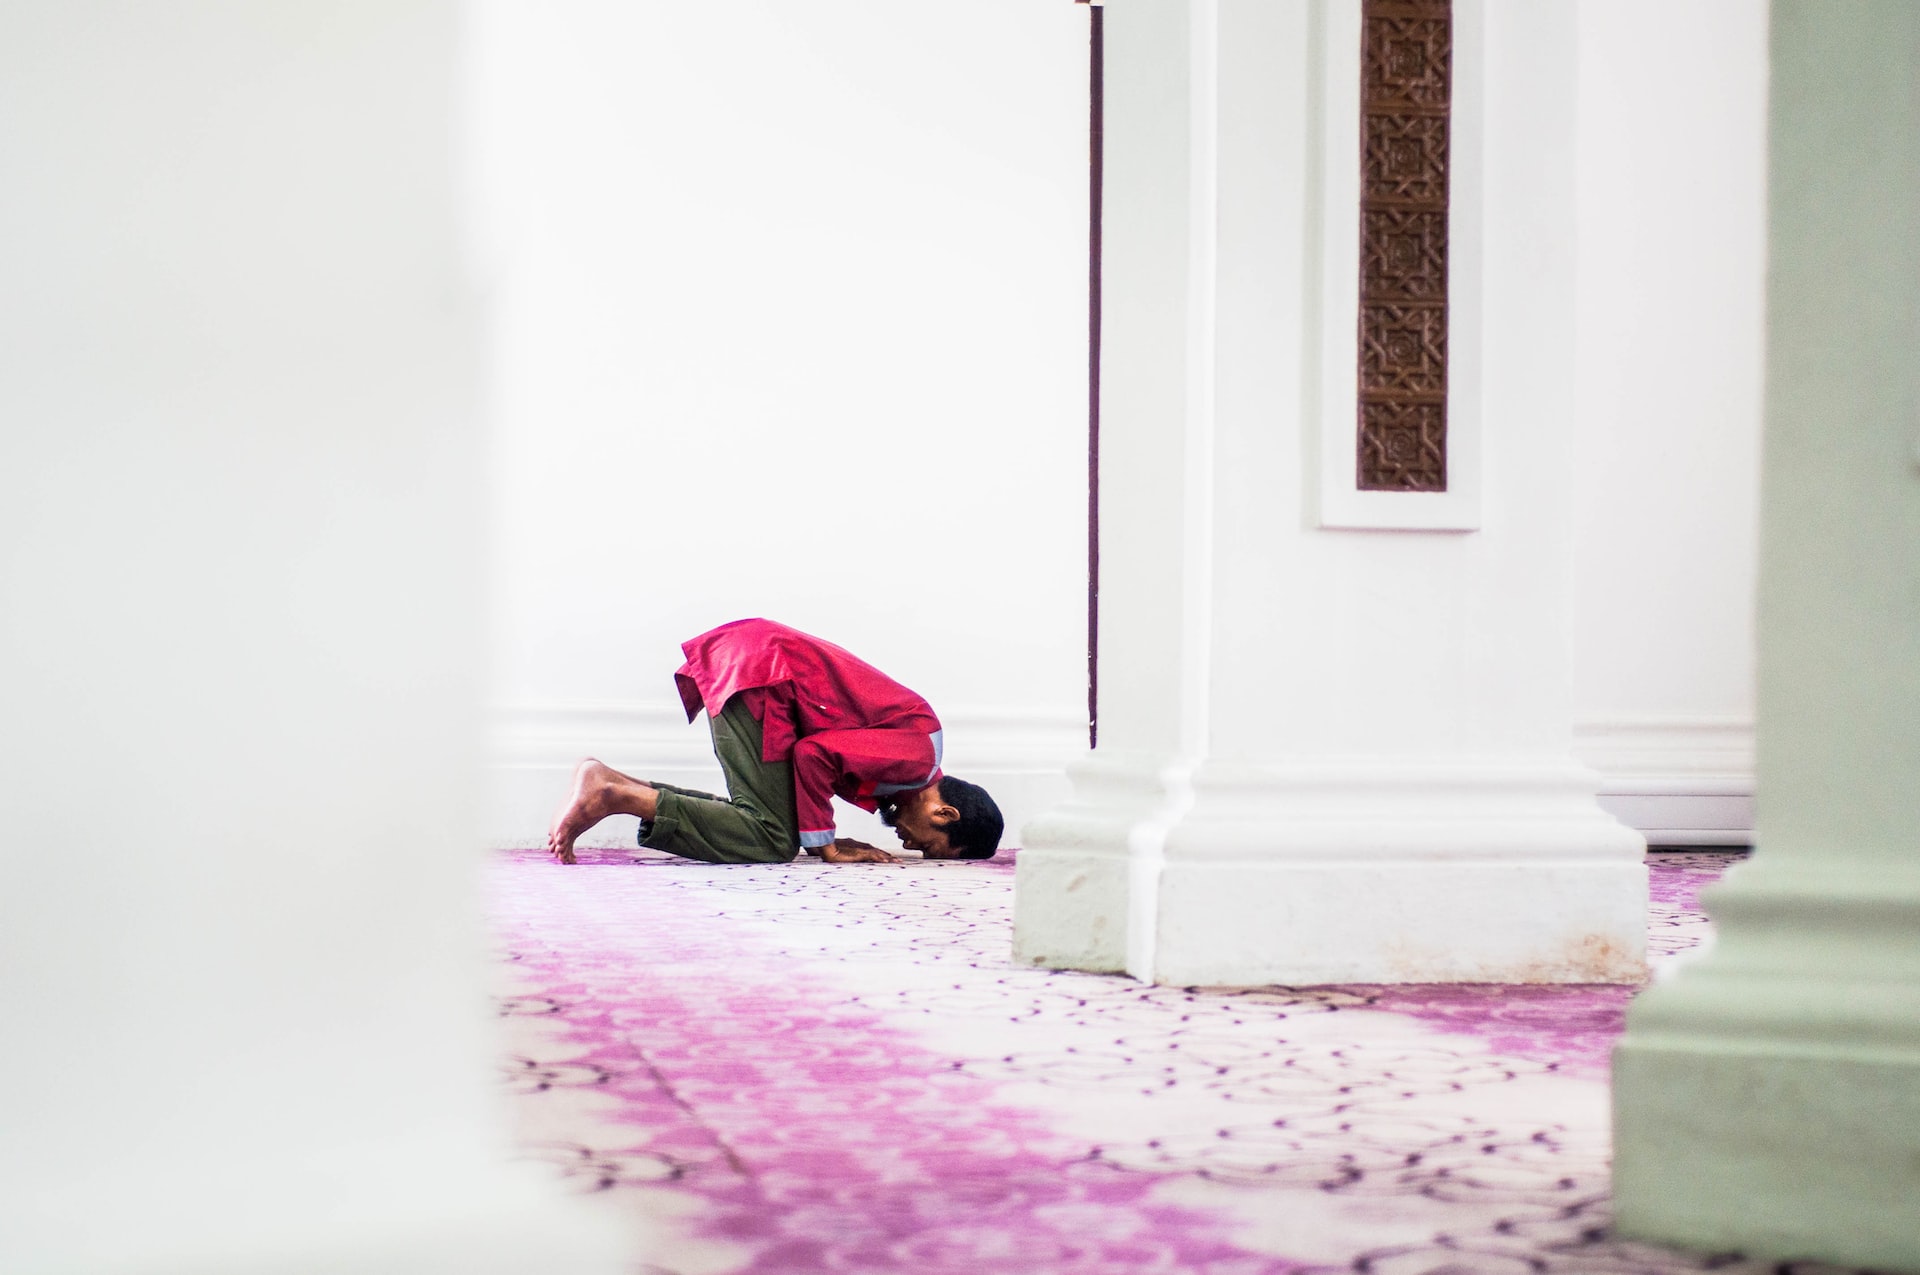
(777, 842)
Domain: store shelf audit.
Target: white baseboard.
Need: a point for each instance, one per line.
(1019, 756)
(1680, 781)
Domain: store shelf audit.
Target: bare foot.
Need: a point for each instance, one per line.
(598, 791)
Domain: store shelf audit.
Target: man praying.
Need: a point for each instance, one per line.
(796, 721)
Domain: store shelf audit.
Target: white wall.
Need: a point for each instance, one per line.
(790, 320)
(1671, 189)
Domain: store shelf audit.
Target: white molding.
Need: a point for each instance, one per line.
(1486, 808)
(1668, 751)
(1335, 389)
(1680, 780)
(559, 732)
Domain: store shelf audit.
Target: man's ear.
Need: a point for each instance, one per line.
(943, 815)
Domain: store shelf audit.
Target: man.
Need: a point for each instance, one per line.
(796, 721)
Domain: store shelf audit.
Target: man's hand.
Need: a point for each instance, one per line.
(847, 850)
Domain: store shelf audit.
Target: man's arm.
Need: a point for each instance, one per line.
(815, 766)
(819, 762)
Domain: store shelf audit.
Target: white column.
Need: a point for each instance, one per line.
(1767, 1096)
(1329, 751)
(240, 950)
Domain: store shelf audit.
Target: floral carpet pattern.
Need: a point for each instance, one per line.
(838, 1068)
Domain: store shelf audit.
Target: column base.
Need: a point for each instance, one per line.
(1087, 867)
(1400, 920)
(1767, 1091)
(1343, 872)
(1800, 1155)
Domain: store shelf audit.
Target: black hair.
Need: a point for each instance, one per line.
(976, 833)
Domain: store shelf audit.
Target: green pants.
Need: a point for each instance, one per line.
(758, 824)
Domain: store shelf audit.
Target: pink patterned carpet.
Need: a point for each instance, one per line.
(820, 1068)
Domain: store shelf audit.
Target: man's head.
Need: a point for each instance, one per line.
(952, 819)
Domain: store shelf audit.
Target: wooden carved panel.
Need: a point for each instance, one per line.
(1406, 78)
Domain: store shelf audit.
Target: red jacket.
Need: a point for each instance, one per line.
(849, 729)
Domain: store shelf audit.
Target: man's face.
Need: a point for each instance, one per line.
(913, 821)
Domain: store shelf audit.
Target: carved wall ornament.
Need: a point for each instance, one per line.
(1405, 104)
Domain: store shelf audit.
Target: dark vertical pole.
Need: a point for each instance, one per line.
(1096, 125)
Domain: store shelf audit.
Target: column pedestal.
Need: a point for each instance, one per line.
(1767, 1095)
(1321, 873)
